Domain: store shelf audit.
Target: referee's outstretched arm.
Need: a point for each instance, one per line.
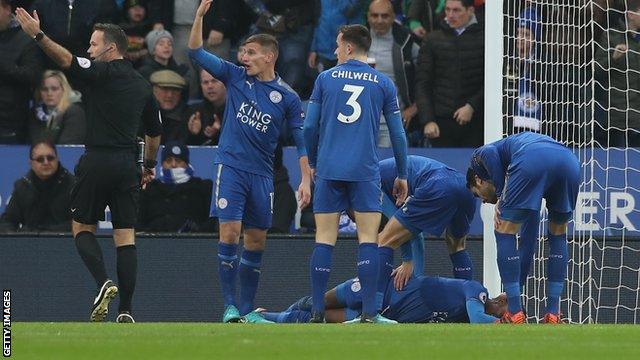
(31, 26)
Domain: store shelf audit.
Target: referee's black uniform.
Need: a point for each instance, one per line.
(116, 99)
(118, 102)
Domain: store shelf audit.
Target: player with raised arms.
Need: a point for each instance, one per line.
(516, 173)
(259, 108)
(439, 202)
(341, 129)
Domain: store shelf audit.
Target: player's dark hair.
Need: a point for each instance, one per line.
(356, 35)
(471, 178)
(465, 3)
(6, 3)
(113, 34)
(45, 142)
(265, 40)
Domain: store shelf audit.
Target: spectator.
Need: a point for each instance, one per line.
(424, 15)
(177, 201)
(41, 199)
(291, 22)
(450, 79)
(395, 52)
(160, 55)
(527, 107)
(167, 89)
(136, 26)
(333, 14)
(20, 67)
(205, 119)
(56, 114)
(70, 23)
(224, 25)
(618, 56)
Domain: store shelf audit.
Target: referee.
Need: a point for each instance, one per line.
(117, 98)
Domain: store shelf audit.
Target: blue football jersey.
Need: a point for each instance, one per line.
(352, 96)
(255, 115)
(427, 299)
(491, 161)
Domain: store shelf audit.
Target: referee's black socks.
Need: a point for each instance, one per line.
(127, 270)
(90, 252)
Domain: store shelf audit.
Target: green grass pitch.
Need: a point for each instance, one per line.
(331, 341)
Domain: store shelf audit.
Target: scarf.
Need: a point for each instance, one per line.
(177, 175)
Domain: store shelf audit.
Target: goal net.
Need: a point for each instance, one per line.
(571, 70)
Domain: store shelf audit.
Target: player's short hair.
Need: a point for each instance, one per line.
(465, 3)
(265, 40)
(115, 35)
(45, 142)
(471, 178)
(356, 35)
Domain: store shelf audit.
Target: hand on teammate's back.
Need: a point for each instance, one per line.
(402, 274)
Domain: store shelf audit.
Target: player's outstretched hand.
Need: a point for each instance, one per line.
(203, 8)
(30, 25)
(402, 274)
(400, 190)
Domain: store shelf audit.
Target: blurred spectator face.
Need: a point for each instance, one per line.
(5, 16)
(633, 18)
(255, 58)
(212, 88)
(172, 162)
(380, 16)
(524, 42)
(44, 161)
(98, 49)
(51, 91)
(457, 15)
(168, 97)
(342, 49)
(163, 49)
(136, 13)
(240, 53)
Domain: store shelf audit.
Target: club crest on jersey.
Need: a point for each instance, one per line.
(275, 97)
(355, 286)
(222, 203)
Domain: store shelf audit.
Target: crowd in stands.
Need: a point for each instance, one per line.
(433, 50)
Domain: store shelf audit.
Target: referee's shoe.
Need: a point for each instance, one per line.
(100, 309)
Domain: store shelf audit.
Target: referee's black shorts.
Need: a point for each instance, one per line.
(106, 177)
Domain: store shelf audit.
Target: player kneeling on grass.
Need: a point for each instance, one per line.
(424, 299)
(439, 202)
(523, 169)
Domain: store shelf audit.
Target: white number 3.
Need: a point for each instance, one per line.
(353, 102)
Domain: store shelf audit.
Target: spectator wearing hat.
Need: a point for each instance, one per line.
(176, 201)
(136, 25)
(41, 199)
(160, 47)
(205, 118)
(168, 89)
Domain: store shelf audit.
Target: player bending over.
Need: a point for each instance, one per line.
(439, 202)
(424, 299)
(516, 173)
(259, 107)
